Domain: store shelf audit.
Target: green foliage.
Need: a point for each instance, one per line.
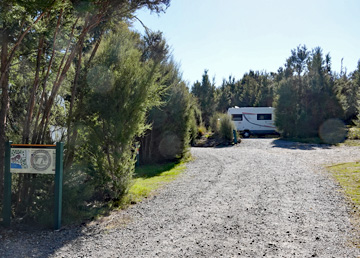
(193, 125)
(348, 88)
(286, 114)
(151, 177)
(122, 89)
(215, 122)
(201, 131)
(173, 124)
(227, 94)
(100, 105)
(255, 89)
(333, 131)
(226, 128)
(354, 133)
(306, 96)
(172, 127)
(222, 126)
(204, 91)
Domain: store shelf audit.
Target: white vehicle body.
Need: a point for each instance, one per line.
(253, 120)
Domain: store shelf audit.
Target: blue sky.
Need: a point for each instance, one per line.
(230, 37)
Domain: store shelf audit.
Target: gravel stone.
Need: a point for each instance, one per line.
(263, 197)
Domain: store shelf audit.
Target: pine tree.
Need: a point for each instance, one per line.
(205, 93)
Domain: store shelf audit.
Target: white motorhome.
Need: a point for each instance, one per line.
(253, 120)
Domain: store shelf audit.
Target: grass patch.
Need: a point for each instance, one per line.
(149, 178)
(148, 171)
(350, 142)
(348, 176)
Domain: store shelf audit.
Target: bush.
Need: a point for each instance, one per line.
(201, 131)
(354, 133)
(226, 128)
(215, 122)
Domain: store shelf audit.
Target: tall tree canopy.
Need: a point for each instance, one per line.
(204, 91)
(306, 96)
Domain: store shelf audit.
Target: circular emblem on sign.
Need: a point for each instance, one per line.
(40, 160)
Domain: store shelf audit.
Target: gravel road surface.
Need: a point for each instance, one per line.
(261, 198)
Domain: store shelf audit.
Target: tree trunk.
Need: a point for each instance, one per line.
(4, 105)
(59, 79)
(31, 104)
(37, 133)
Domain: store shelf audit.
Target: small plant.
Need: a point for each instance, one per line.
(215, 122)
(354, 133)
(201, 131)
(226, 128)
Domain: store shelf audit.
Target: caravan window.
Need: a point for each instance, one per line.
(264, 117)
(237, 117)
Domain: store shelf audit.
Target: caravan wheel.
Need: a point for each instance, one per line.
(246, 134)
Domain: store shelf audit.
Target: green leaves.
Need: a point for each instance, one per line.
(204, 91)
(122, 90)
(306, 99)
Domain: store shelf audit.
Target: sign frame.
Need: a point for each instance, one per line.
(59, 147)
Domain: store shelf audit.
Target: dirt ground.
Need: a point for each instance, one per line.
(261, 198)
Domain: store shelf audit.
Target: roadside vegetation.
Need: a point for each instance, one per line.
(354, 133)
(348, 177)
(149, 178)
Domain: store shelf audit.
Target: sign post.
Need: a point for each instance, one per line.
(34, 159)
(58, 183)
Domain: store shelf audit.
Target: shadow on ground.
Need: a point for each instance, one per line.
(152, 170)
(31, 242)
(292, 145)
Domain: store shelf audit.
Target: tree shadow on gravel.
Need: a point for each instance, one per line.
(31, 242)
(292, 145)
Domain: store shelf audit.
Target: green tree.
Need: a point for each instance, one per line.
(226, 94)
(255, 89)
(306, 95)
(347, 87)
(172, 123)
(122, 90)
(204, 91)
(287, 109)
(42, 45)
(172, 127)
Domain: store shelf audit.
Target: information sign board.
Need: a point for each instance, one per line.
(32, 160)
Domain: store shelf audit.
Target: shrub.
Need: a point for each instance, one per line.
(201, 130)
(354, 133)
(215, 122)
(226, 127)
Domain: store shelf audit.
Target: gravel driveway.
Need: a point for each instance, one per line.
(263, 197)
